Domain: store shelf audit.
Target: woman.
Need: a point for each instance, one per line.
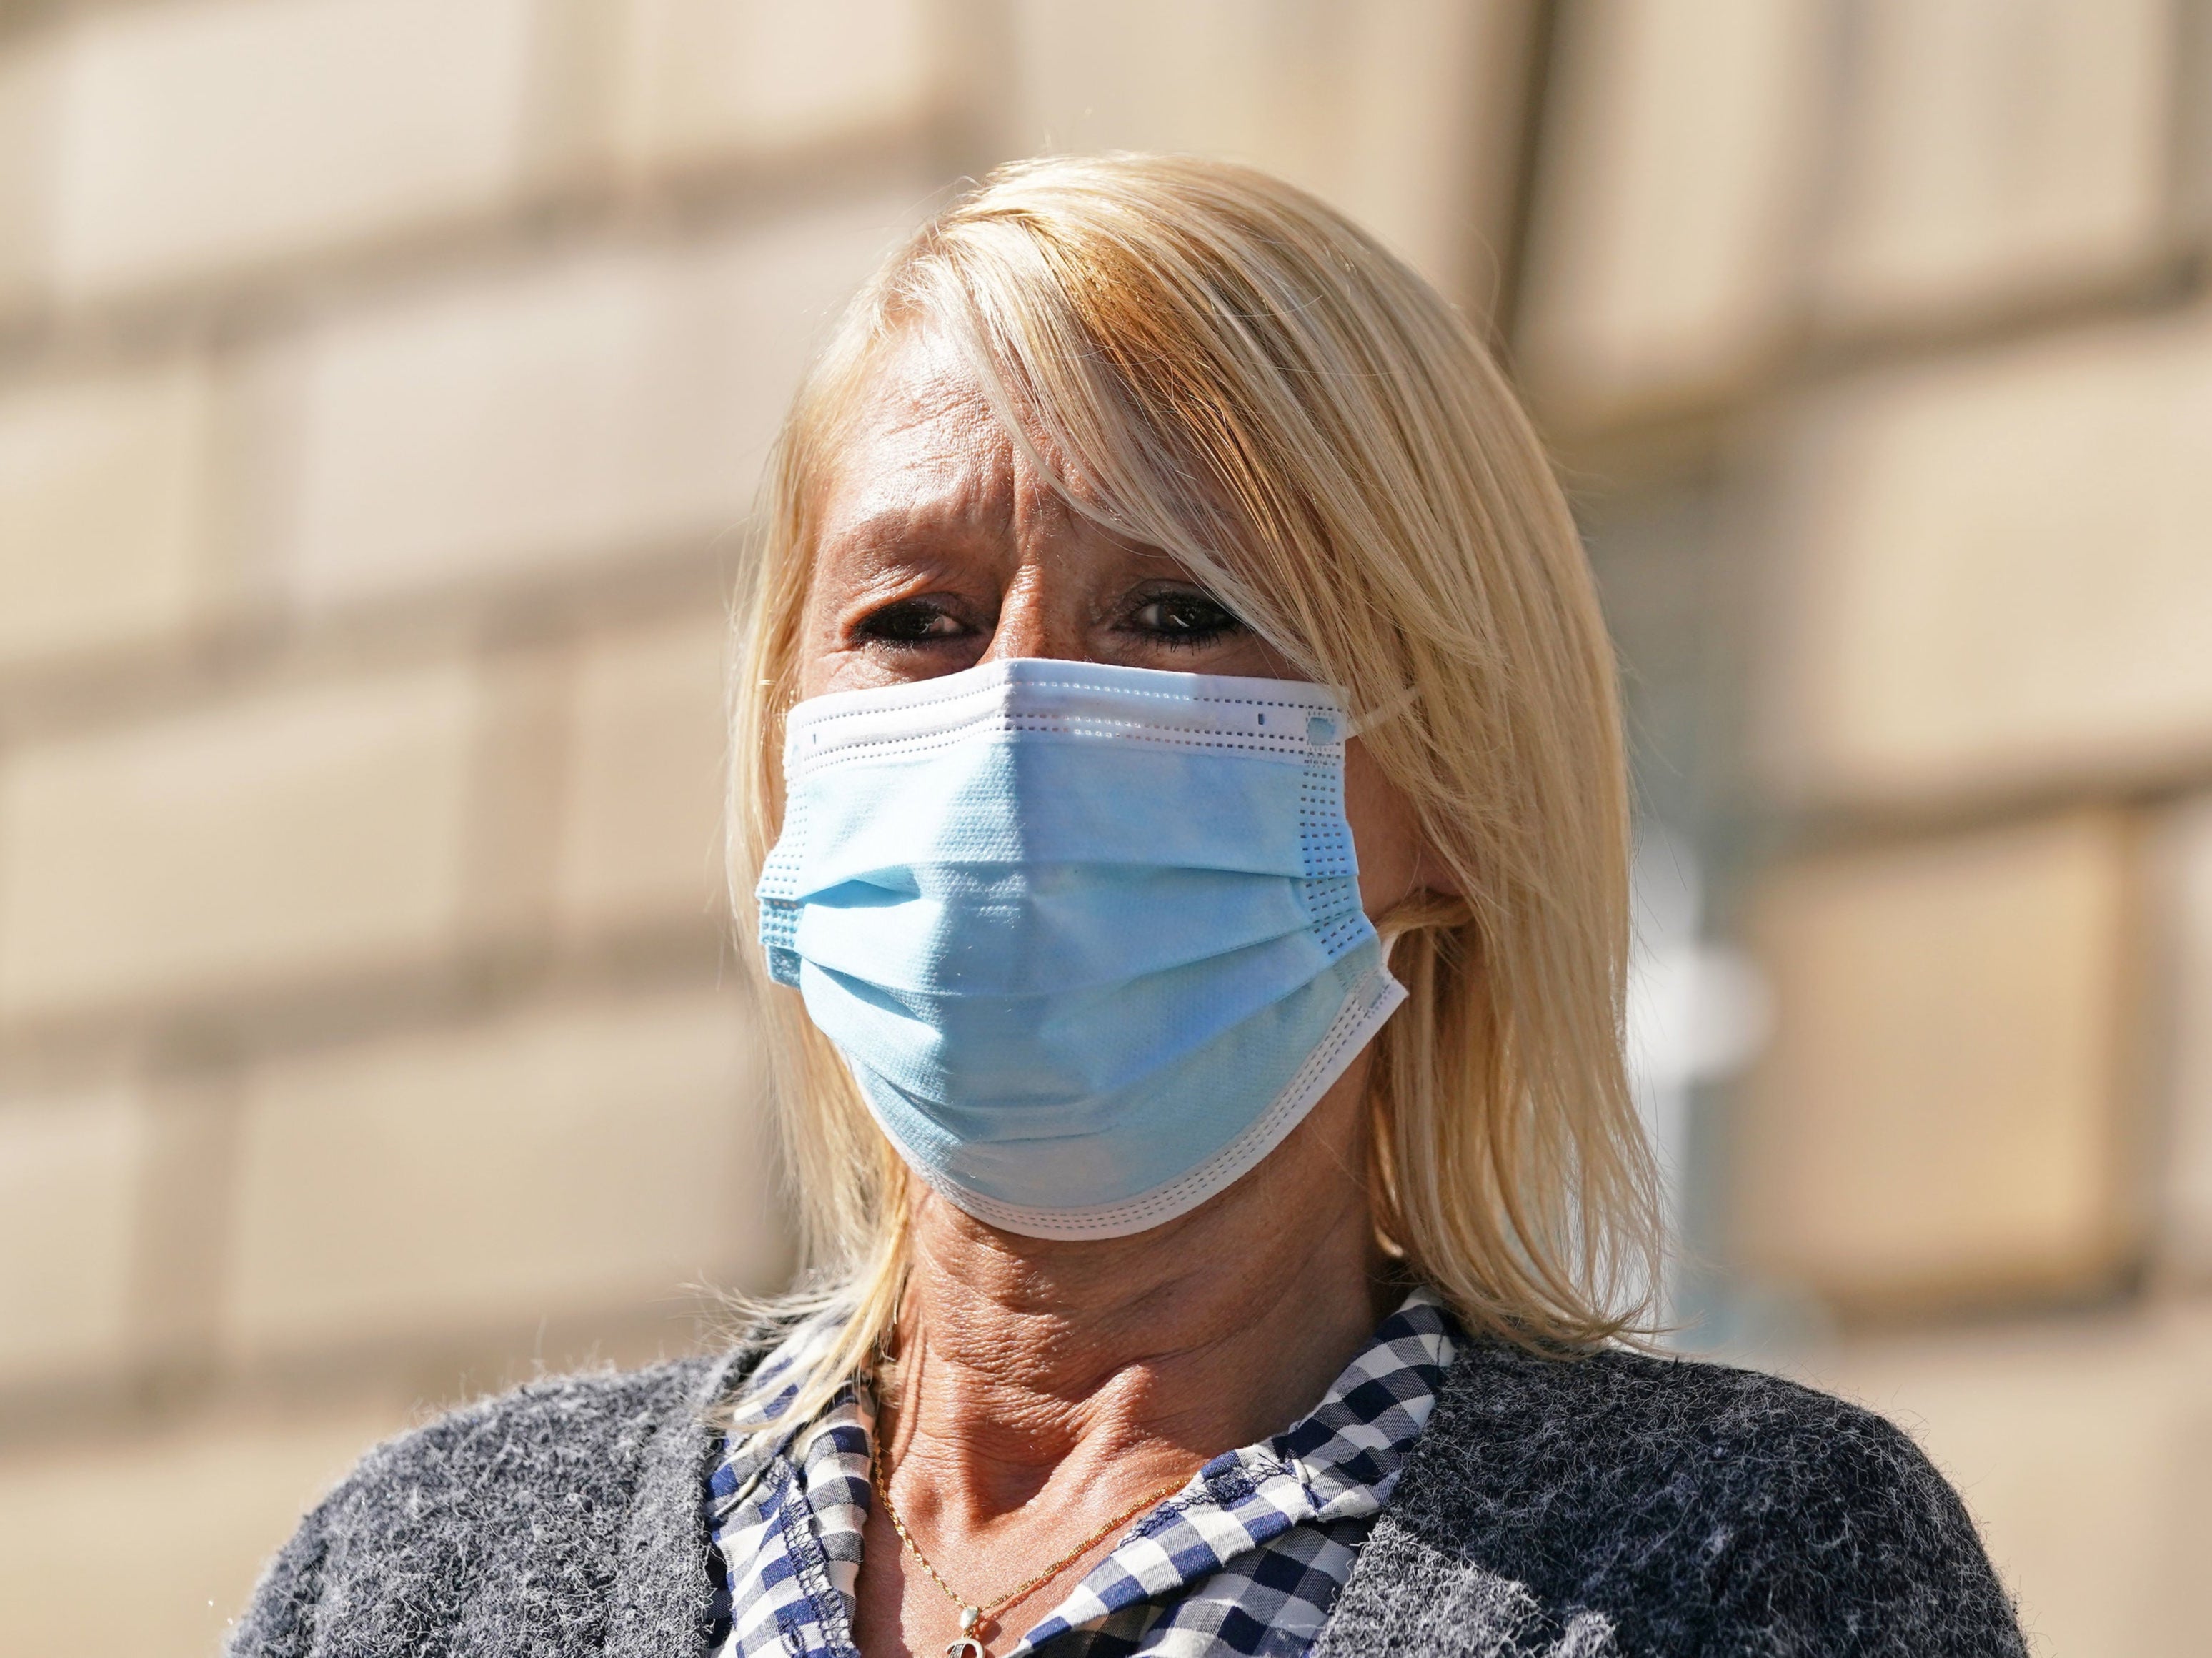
(1179, 798)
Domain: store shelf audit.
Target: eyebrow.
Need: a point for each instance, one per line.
(905, 539)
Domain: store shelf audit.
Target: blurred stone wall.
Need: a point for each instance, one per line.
(1875, 338)
(382, 388)
(383, 385)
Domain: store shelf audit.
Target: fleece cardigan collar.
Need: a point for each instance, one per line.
(1613, 1505)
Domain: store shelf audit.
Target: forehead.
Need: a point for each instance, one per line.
(921, 434)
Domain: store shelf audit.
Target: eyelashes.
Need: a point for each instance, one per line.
(1180, 620)
(911, 622)
(1186, 619)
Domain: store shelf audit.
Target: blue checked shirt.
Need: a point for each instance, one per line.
(1246, 1558)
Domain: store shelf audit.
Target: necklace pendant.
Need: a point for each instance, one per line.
(966, 1645)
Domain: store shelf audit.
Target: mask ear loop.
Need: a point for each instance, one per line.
(1421, 910)
(1381, 714)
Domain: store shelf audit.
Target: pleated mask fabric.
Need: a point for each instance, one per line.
(1088, 938)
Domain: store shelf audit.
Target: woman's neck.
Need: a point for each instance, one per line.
(1035, 1370)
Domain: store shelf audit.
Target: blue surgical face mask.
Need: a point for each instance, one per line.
(1088, 938)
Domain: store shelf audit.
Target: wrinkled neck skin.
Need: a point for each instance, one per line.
(1024, 1354)
(1043, 1387)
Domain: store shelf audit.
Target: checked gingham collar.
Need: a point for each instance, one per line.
(1248, 1559)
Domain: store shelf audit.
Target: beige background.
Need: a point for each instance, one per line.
(382, 388)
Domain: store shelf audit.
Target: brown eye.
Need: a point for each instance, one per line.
(1186, 619)
(910, 621)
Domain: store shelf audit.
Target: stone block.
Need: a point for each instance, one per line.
(184, 1219)
(1994, 577)
(1678, 151)
(29, 77)
(298, 829)
(595, 404)
(104, 487)
(2183, 907)
(233, 1491)
(199, 137)
(1940, 1114)
(565, 1159)
(1405, 112)
(514, 831)
(2082, 1448)
(706, 80)
(1996, 153)
(642, 828)
(70, 1178)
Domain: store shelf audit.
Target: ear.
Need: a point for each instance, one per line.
(1395, 858)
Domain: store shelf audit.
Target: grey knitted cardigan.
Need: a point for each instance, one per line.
(1613, 1505)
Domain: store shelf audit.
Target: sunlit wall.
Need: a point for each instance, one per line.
(382, 388)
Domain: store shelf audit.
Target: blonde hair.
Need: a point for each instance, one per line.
(1246, 380)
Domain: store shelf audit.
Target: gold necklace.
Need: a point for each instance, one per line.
(968, 1645)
